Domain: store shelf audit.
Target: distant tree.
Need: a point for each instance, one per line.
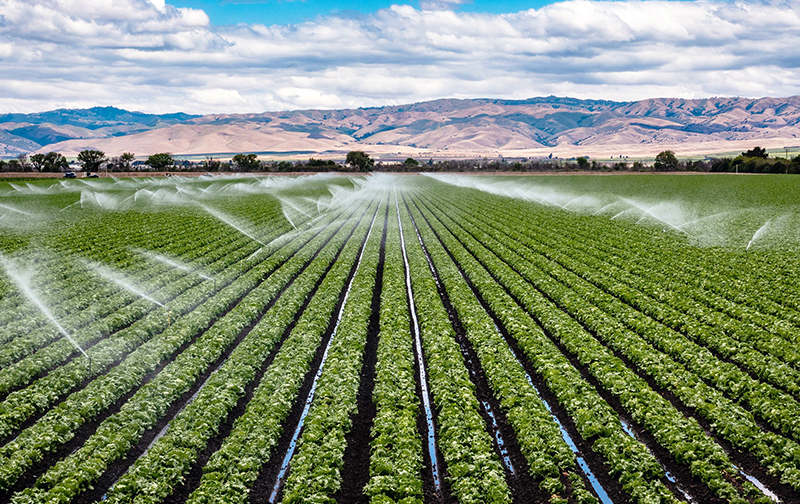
(50, 162)
(583, 163)
(122, 162)
(321, 164)
(410, 164)
(756, 152)
(14, 165)
(3, 166)
(210, 164)
(126, 160)
(91, 160)
(246, 162)
(22, 163)
(693, 165)
(285, 166)
(161, 161)
(666, 161)
(37, 161)
(360, 160)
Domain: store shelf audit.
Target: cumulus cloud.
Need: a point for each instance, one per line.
(441, 4)
(149, 55)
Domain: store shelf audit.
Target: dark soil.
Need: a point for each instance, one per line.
(119, 467)
(696, 488)
(262, 488)
(522, 486)
(355, 470)
(596, 463)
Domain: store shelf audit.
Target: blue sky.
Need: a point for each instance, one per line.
(271, 12)
(240, 56)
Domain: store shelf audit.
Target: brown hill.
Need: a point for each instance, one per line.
(564, 127)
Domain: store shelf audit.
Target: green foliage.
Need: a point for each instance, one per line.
(360, 161)
(122, 162)
(161, 161)
(212, 164)
(91, 160)
(321, 164)
(246, 162)
(666, 161)
(756, 152)
(50, 162)
(693, 348)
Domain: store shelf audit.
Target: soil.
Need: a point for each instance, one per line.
(522, 486)
(119, 467)
(696, 488)
(262, 488)
(355, 469)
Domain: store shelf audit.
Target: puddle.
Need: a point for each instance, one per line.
(423, 376)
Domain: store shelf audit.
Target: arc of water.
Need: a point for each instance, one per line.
(600, 210)
(648, 211)
(175, 263)
(701, 219)
(120, 280)
(16, 210)
(22, 281)
(72, 205)
(758, 234)
(227, 220)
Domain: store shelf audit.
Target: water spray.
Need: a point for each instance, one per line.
(23, 282)
(120, 280)
(757, 234)
(16, 210)
(227, 220)
(174, 263)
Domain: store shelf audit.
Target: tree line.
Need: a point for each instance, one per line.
(755, 160)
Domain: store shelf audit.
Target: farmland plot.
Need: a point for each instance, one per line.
(399, 339)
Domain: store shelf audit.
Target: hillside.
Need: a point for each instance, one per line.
(442, 128)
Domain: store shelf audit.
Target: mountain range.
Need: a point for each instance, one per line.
(446, 128)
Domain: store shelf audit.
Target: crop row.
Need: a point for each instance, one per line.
(396, 460)
(21, 405)
(60, 423)
(473, 468)
(745, 290)
(550, 461)
(682, 437)
(91, 326)
(254, 328)
(596, 422)
(315, 473)
(647, 273)
(733, 423)
(777, 408)
(684, 309)
(233, 470)
(84, 310)
(76, 288)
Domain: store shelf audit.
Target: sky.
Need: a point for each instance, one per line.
(250, 56)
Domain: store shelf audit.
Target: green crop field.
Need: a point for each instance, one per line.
(437, 339)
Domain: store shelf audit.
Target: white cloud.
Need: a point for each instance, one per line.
(149, 55)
